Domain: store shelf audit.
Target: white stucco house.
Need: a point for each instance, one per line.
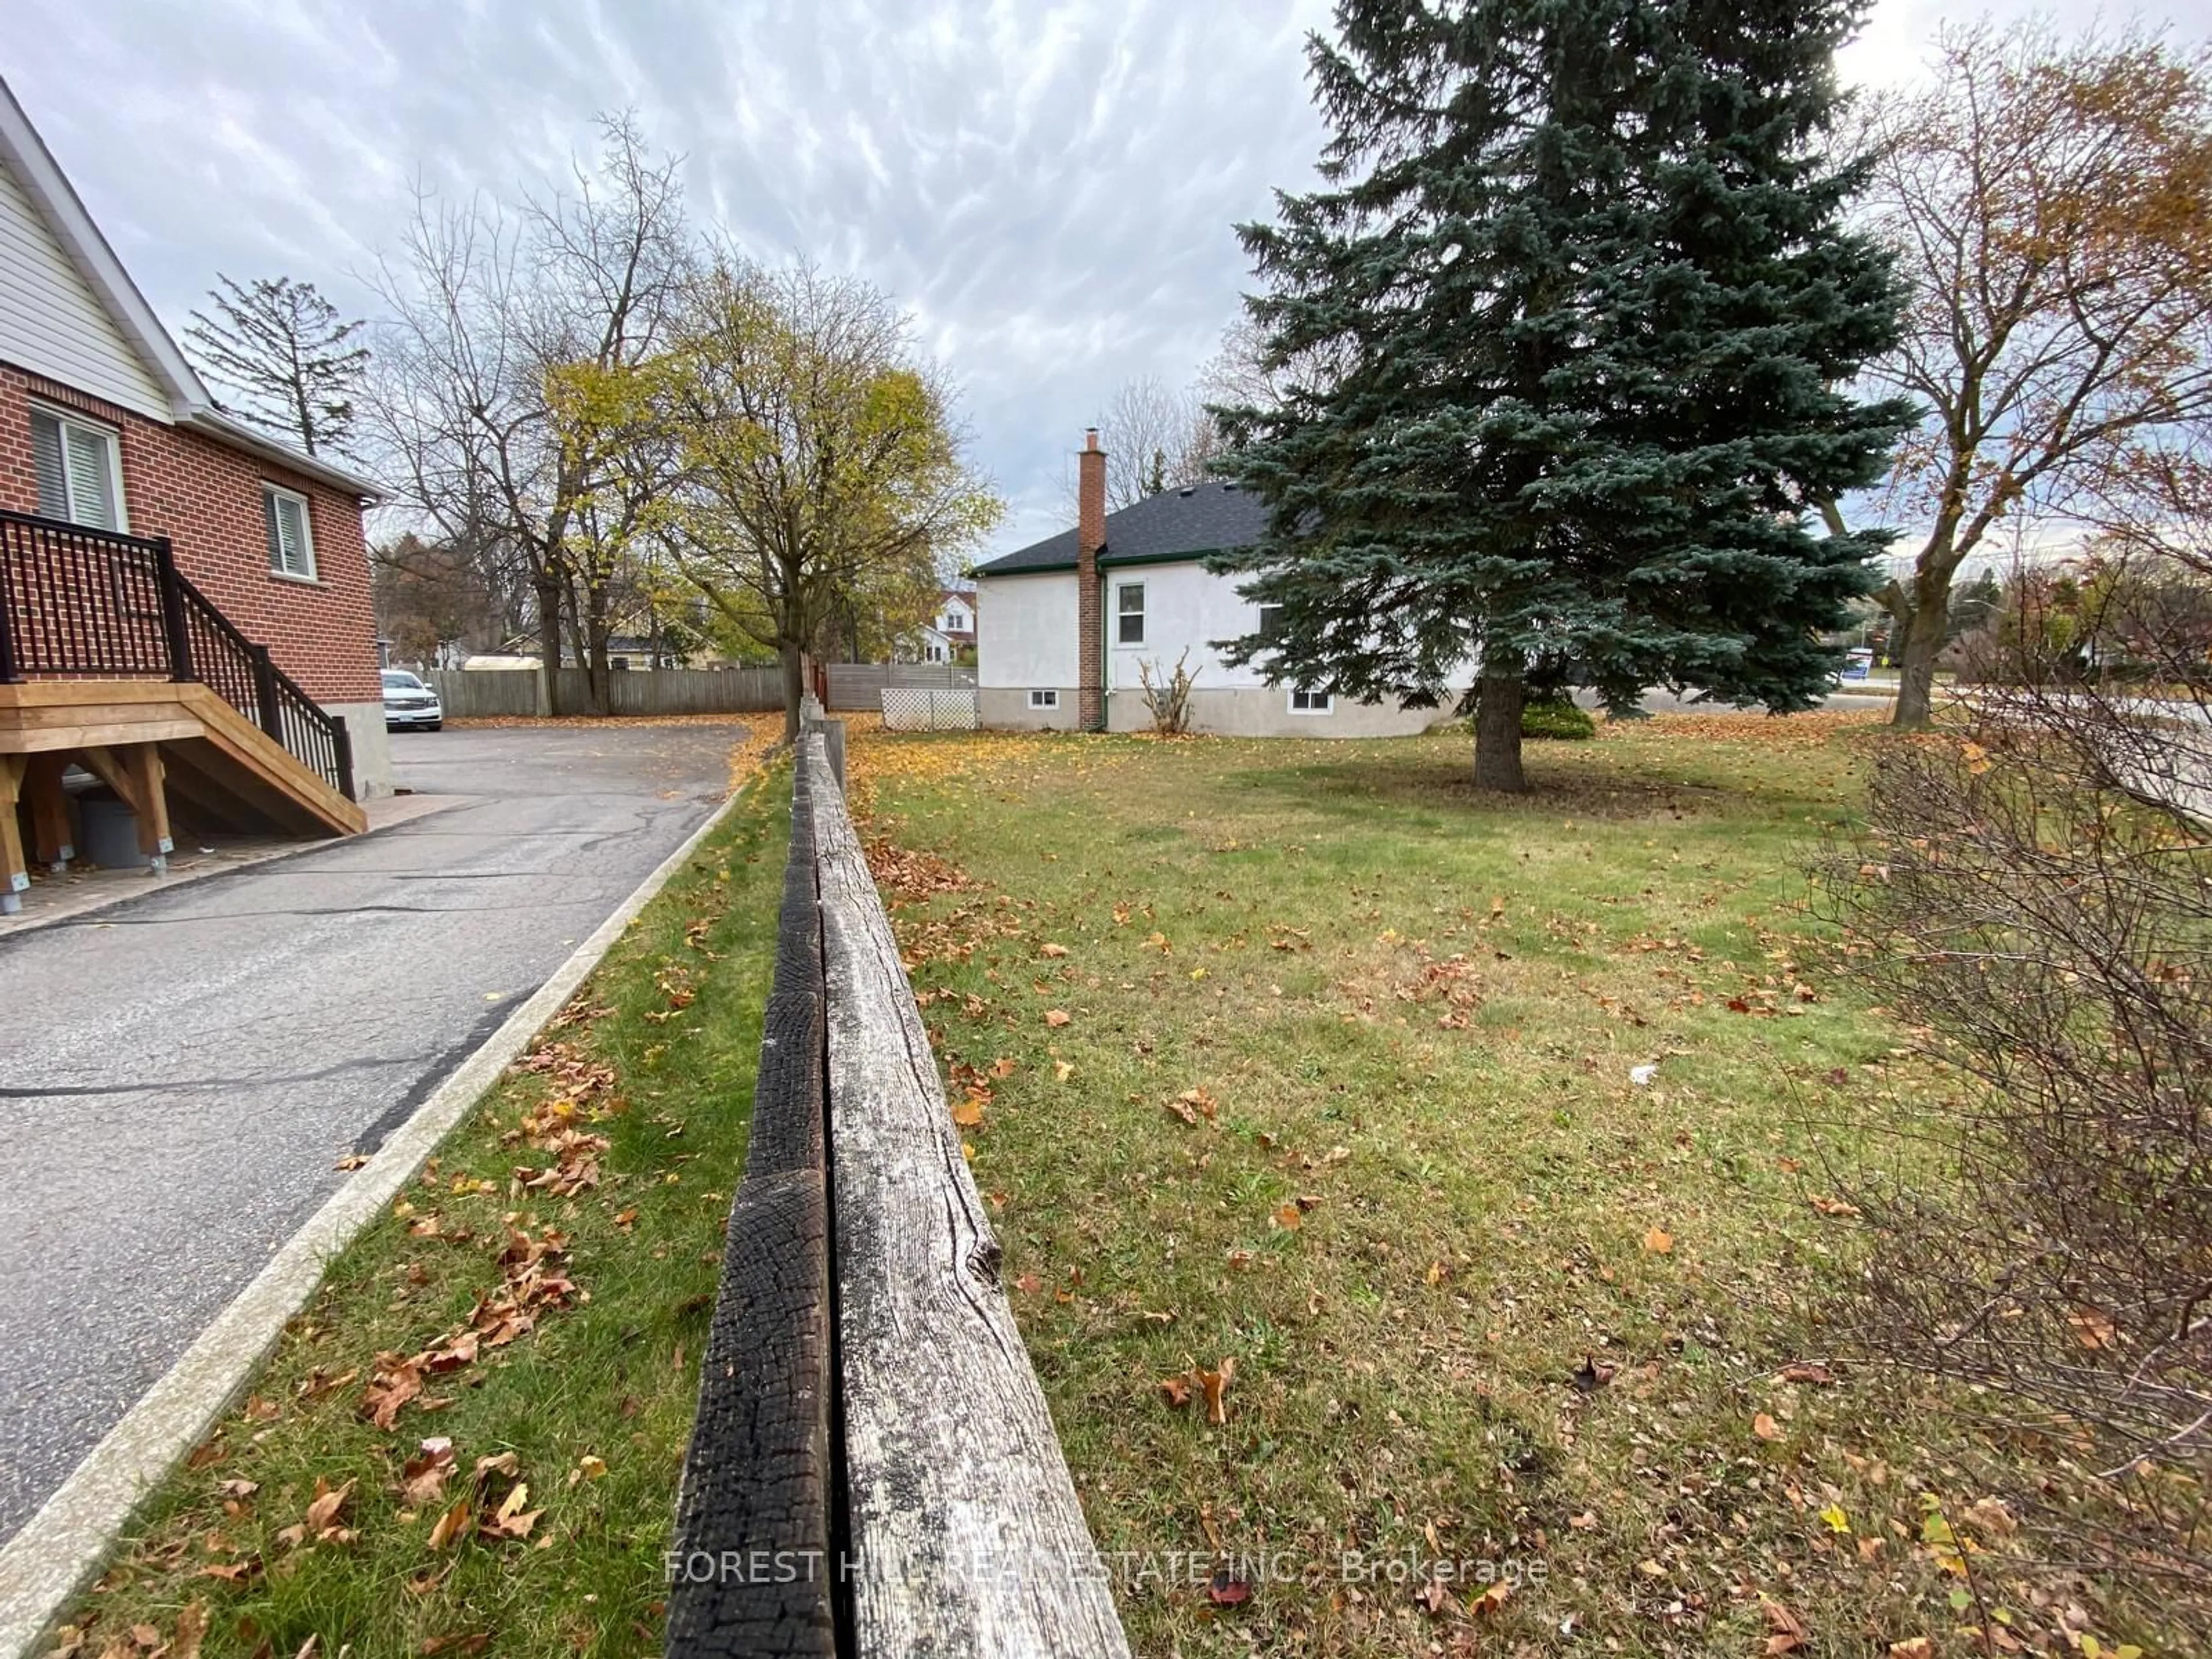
(1064, 626)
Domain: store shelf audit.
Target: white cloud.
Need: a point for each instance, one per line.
(1050, 185)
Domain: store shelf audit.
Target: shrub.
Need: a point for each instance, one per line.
(1557, 718)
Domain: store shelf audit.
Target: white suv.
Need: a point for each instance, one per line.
(410, 705)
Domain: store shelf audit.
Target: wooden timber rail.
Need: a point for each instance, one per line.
(873, 1472)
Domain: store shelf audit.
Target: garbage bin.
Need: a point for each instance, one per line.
(110, 832)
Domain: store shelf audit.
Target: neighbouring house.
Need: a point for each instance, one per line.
(1066, 627)
(185, 607)
(949, 636)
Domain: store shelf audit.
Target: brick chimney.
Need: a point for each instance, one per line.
(1090, 601)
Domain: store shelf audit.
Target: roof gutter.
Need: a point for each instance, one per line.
(237, 434)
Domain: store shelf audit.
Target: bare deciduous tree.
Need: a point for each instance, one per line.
(1156, 438)
(2051, 206)
(501, 397)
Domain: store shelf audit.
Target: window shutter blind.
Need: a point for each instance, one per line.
(46, 461)
(91, 496)
(286, 522)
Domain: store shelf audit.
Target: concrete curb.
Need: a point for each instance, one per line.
(49, 1561)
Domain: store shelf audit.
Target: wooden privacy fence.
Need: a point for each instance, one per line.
(873, 1472)
(486, 693)
(854, 686)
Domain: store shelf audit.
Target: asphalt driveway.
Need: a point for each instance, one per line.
(178, 1074)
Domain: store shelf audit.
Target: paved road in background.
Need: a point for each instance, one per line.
(178, 1074)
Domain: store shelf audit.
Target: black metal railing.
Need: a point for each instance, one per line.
(79, 601)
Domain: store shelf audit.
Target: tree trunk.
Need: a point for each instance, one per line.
(1920, 643)
(794, 689)
(1497, 734)
(547, 586)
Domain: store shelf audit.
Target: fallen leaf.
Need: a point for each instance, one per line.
(357, 1161)
(422, 1478)
(1789, 1629)
(1827, 1206)
(1063, 1070)
(1913, 1647)
(1837, 1520)
(1226, 1590)
(1052, 950)
(1214, 1385)
(593, 1467)
(1806, 1370)
(329, 1503)
(1658, 1241)
(1290, 1217)
(191, 1627)
(1176, 1390)
(1056, 1017)
(969, 1113)
(450, 1525)
(1765, 1427)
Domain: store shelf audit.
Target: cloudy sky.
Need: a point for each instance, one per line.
(1049, 186)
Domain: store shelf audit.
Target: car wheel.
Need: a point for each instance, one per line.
(437, 726)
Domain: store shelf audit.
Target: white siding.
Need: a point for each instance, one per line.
(1185, 606)
(1025, 630)
(52, 324)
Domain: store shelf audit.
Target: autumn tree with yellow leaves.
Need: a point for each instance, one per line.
(820, 460)
(2050, 205)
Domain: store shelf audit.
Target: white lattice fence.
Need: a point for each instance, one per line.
(912, 708)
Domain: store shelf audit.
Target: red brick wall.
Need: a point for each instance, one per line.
(206, 498)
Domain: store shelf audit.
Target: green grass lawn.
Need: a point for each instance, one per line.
(1302, 1055)
(469, 1441)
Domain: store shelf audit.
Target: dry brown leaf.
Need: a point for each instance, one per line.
(1057, 1016)
(1659, 1241)
(1052, 950)
(1765, 1427)
(450, 1525)
(969, 1113)
(1176, 1390)
(329, 1503)
(191, 1629)
(1214, 1385)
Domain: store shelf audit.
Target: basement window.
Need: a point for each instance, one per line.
(291, 542)
(80, 477)
(1129, 614)
(1044, 699)
(1313, 702)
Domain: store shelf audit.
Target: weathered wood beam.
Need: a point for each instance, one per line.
(14, 874)
(50, 820)
(965, 1533)
(134, 772)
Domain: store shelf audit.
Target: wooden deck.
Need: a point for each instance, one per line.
(151, 741)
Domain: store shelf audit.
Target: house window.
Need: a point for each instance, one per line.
(291, 543)
(1313, 702)
(1271, 623)
(80, 476)
(1044, 699)
(1129, 614)
(933, 652)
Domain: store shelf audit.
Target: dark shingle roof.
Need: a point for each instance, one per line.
(1174, 524)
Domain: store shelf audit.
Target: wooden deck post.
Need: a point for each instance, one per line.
(133, 770)
(50, 823)
(15, 875)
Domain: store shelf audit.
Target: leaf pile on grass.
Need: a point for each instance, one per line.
(470, 1440)
(1421, 1209)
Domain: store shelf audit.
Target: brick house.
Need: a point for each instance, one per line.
(1066, 628)
(136, 516)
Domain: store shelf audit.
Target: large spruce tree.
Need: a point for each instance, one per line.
(1567, 332)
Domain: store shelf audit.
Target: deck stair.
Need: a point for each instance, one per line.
(112, 661)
